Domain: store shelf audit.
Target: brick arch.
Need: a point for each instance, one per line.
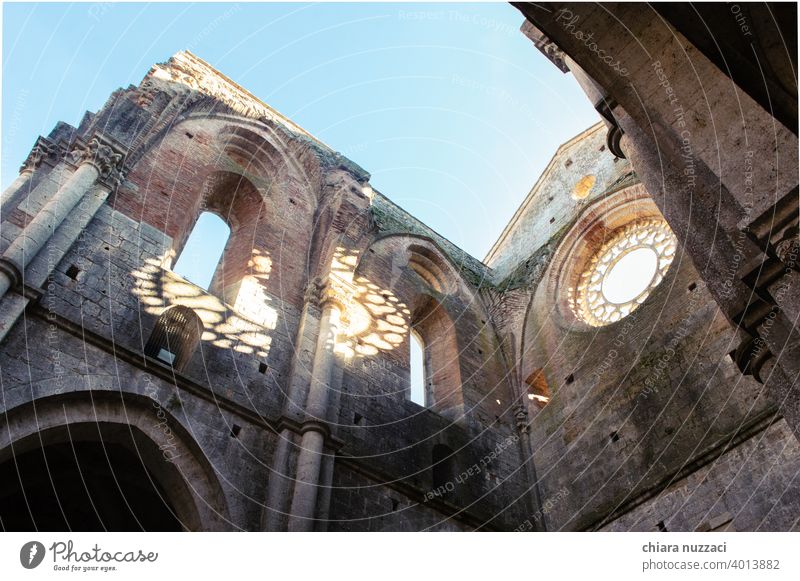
(426, 258)
(461, 346)
(276, 165)
(441, 356)
(239, 203)
(168, 452)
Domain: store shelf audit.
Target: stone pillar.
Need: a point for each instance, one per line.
(533, 498)
(10, 193)
(280, 481)
(13, 193)
(314, 431)
(96, 160)
(38, 271)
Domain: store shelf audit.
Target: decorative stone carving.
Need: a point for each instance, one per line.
(591, 300)
(521, 417)
(314, 292)
(102, 156)
(41, 150)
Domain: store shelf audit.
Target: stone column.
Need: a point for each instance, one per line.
(38, 271)
(314, 431)
(280, 481)
(96, 160)
(533, 498)
(12, 195)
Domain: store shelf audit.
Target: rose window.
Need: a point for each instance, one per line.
(623, 272)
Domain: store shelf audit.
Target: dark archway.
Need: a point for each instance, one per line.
(110, 435)
(82, 486)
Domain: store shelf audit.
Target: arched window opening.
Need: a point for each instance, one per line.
(443, 470)
(175, 337)
(417, 369)
(538, 391)
(442, 366)
(203, 250)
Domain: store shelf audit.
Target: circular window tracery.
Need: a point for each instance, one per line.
(623, 272)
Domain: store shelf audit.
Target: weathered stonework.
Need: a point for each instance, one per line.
(291, 411)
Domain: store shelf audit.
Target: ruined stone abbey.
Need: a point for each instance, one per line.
(278, 398)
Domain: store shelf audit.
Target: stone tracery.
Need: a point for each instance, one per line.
(593, 303)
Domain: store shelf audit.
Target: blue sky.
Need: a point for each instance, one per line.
(449, 107)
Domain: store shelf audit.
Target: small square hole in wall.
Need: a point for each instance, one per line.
(262, 367)
(661, 526)
(602, 148)
(189, 135)
(235, 429)
(616, 159)
(570, 378)
(358, 419)
(614, 437)
(292, 202)
(552, 220)
(395, 504)
(73, 272)
(568, 163)
(692, 286)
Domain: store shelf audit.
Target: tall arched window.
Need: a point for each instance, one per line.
(203, 250)
(417, 369)
(175, 336)
(440, 356)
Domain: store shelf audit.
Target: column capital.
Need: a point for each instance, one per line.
(41, 150)
(521, 418)
(330, 290)
(315, 291)
(102, 153)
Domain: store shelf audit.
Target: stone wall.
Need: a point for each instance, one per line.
(293, 410)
